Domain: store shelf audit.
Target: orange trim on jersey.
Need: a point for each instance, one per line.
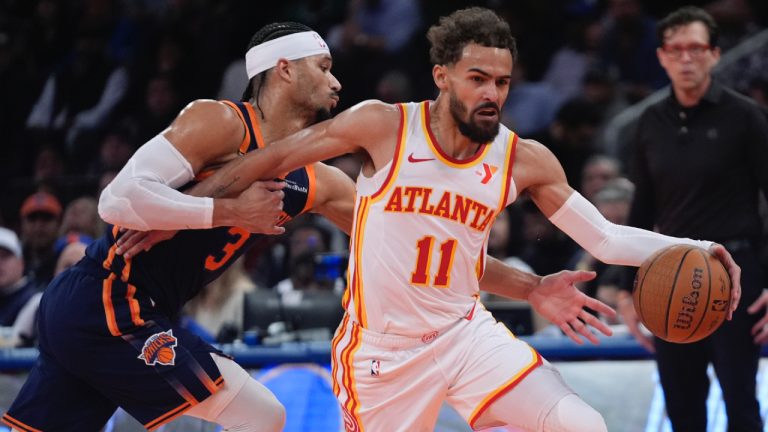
(397, 157)
(15, 424)
(133, 304)
(126, 269)
(202, 175)
(107, 264)
(443, 156)
(511, 150)
(311, 188)
(501, 391)
(255, 125)
(212, 386)
(109, 310)
(167, 417)
(247, 138)
(353, 403)
(334, 345)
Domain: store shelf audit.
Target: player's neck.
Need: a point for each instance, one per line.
(446, 131)
(279, 119)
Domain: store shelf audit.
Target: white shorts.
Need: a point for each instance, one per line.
(396, 383)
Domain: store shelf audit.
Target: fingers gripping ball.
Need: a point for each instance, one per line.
(682, 293)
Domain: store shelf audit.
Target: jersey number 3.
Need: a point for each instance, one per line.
(240, 236)
(424, 247)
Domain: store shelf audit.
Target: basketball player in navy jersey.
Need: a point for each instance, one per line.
(107, 333)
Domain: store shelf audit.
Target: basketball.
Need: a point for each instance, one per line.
(682, 293)
(165, 355)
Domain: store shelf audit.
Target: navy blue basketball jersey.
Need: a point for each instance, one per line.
(174, 271)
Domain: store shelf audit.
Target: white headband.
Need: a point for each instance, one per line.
(291, 47)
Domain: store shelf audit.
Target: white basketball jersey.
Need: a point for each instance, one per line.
(421, 226)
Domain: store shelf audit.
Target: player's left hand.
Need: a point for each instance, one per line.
(558, 300)
(131, 242)
(721, 253)
(760, 329)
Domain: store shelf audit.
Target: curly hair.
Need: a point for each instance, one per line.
(472, 25)
(267, 33)
(684, 16)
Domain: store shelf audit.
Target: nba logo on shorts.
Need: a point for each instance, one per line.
(375, 367)
(159, 349)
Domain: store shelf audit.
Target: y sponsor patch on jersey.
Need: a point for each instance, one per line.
(160, 349)
(487, 173)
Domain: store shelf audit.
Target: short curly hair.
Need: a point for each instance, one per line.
(472, 25)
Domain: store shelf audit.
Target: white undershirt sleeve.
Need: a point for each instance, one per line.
(608, 242)
(143, 195)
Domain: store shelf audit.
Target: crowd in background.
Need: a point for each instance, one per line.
(84, 83)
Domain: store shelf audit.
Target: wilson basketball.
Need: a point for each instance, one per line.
(682, 293)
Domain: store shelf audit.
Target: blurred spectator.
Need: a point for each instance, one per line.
(569, 65)
(162, 101)
(373, 40)
(628, 48)
(305, 242)
(79, 97)
(81, 216)
(571, 137)
(545, 248)
(40, 219)
(218, 308)
(117, 146)
(394, 87)
(71, 253)
(16, 290)
(530, 106)
(49, 164)
(598, 170)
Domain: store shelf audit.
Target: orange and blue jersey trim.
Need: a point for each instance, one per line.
(16, 424)
(190, 401)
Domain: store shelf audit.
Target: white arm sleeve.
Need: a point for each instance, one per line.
(143, 196)
(608, 242)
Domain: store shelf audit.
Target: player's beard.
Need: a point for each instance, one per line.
(322, 114)
(470, 129)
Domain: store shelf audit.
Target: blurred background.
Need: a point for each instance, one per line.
(84, 83)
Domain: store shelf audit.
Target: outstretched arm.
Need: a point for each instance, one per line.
(369, 126)
(554, 296)
(539, 172)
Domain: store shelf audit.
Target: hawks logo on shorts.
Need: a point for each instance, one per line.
(159, 348)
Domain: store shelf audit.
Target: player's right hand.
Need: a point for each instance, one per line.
(626, 309)
(258, 209)
(131, 242)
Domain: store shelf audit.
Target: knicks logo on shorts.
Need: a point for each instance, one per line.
(159, 348)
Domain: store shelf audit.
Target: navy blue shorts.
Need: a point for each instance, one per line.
(102, 345)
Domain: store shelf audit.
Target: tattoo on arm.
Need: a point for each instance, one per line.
(221, 190)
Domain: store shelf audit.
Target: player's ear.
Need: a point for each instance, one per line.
(440, 75)
(284, 70)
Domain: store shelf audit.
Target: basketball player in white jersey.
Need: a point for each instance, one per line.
(435, 176)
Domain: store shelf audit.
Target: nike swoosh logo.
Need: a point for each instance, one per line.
(412, 159)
